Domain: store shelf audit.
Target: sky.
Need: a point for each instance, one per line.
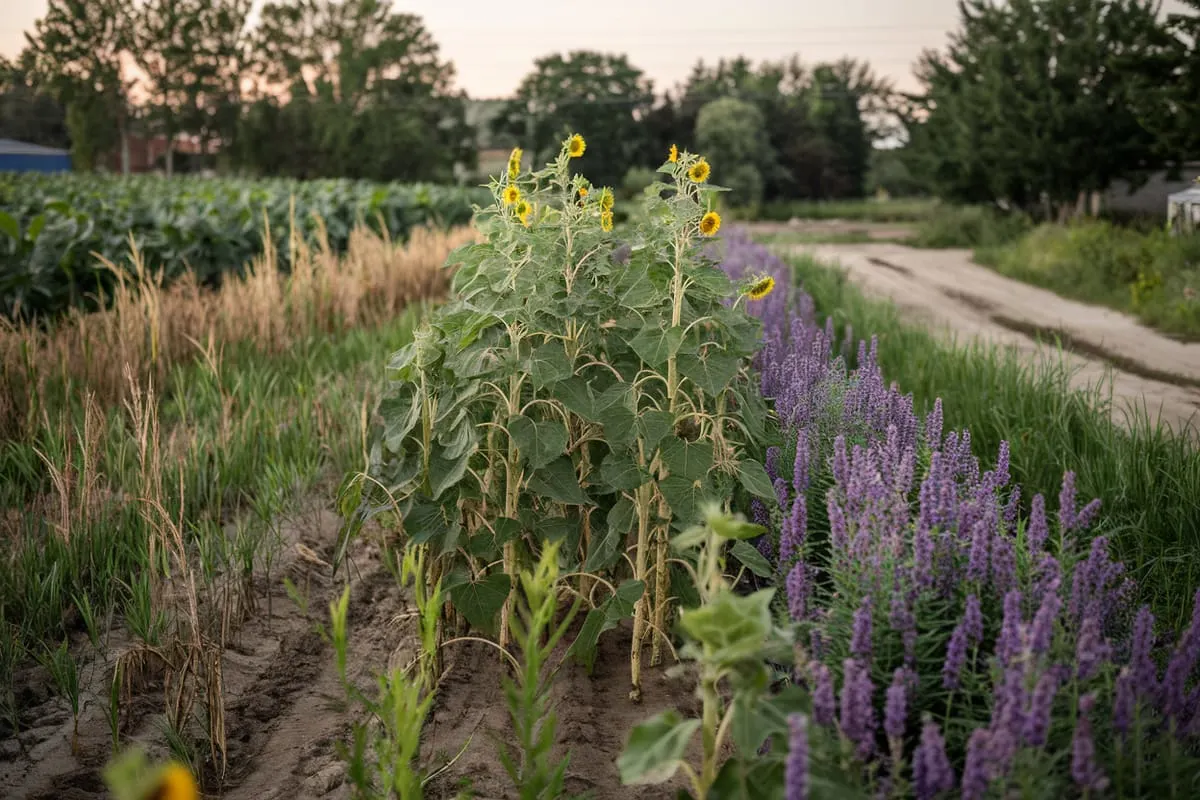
(493, 44)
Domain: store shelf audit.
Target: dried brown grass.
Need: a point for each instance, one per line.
(149, 328)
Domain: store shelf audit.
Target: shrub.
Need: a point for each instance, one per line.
(969, 226)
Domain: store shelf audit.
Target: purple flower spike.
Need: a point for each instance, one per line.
(858, 714)
(1123, 703)
(1084, 769)
(1042, 633)
(1037, 720)
(795, 779)
(860, 640)
(956, 657)
(973, 620)
(800, 465)
(1066, 503)
(1091, 650)
(933, 426)
(977, 565)
(798, 591)
(1145, 672)
(932, 773)
(896, 710)
(975, 778)
(823, 702)
(1008, 643)
(772, 464)
(1038, 530)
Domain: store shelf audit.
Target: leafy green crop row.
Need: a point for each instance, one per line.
(51, 227)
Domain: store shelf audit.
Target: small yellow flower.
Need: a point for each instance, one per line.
(710, 223)
(606, 221)
(673, 154)
(511, 195)
(523, 212)
(514, 163)
(576, 146)
(175, 782)
(606, 199)
(760, 288)
(583, 191)
(699, 171)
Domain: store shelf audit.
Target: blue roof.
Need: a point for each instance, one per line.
(13, 147)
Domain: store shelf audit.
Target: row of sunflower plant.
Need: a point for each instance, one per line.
(578, 391)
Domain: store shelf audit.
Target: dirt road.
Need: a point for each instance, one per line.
(947, 291)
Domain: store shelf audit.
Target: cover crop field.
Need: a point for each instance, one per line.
(625, 513)
(52, 227)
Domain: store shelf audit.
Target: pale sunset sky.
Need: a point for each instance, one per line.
(493, 44)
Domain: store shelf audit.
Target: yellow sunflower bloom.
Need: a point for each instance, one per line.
(510, 195)
(523, 212)
(514, 163)
(710, 223)
(699, 171)
(175, 782)
(576, 146)
(673, 154)
(760, 288)
(606, 199)
(606, 221)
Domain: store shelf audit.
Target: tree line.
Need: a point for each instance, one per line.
(1032, 104)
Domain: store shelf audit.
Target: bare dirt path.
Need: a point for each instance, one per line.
(947, 291)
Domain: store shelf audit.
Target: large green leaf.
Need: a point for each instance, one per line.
(548, 364)
(655, 748)
(713, 372)
(634, 289)
(653, 427)
(734, 627)
(606, 548)
(691, 460)
(753, 476)
(604, 617)
(480, 601)
(575, 394)
(10, 226)
(753, 560)
(619, 471)
(539, 442)
(655, 345)
(557, 480)
(445, 472)
(685, 497)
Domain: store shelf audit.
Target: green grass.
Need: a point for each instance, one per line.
(241, 437)
(1148, 273)
(902, 210)
(1147, 478)
(968, 227)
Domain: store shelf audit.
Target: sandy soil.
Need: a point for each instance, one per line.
(286, 711)
(949, 292)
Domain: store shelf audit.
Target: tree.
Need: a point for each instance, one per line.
(27, 113)
(167, 35)
(377, 100)
(1035, 102)
(601, 96)
(77, 54)
(733, 135)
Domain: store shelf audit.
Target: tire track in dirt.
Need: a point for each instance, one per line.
(949, 293)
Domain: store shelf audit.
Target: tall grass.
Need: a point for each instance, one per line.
(151, 498)
(1149, 273)
(1147, 478)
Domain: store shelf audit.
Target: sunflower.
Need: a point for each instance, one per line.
(514, 163)
(673, 154)
(760, 288)
(606, 199)
(699, 171)
(175, 782)
(710, 223)
(510, 195)
(523, 212)
(576, 146)
(606, 221)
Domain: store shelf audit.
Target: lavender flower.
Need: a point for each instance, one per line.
(772, 464)
(1037, 719)
(860, 640)
(1042, 631)
(781, 493)
(800, 465)
(1123, 703)
(956, 657)
(1091, 649)
(1012, 509)
(973, 620)
(1004, 563)
(975, 778)
(839, 536)
(1038, 530)
(795, 778)
(1008, 643)
(822, 700)
(816, 643)
(1145, 673)
(858, 714)
(932, 773)
(896, 709)
(795, 529)
(1084, 769)
(978, 562)
(1066, 503)
(933, 426)
(797, 591)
